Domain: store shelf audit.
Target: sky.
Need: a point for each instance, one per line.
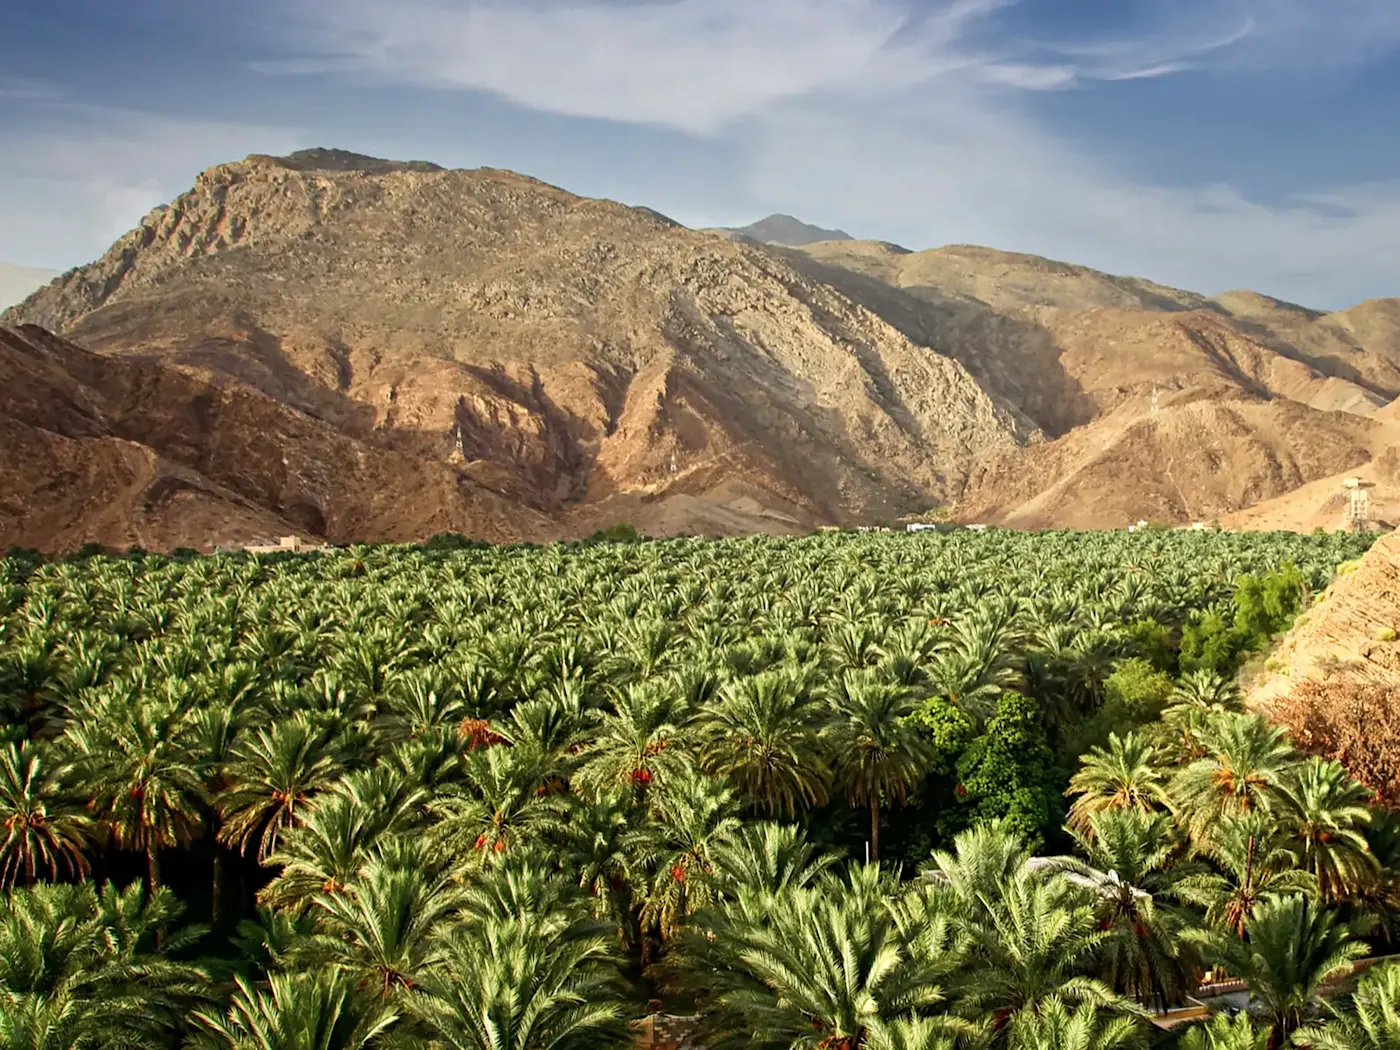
(1207, 144)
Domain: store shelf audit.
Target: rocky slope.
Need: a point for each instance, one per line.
(1163, 404)
(480, 351)
(1348, 637)
(130, 452)
(591, 359)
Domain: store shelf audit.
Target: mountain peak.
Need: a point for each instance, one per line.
(790, 231)
(322, 159)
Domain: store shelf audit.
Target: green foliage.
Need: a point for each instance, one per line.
(1135, 694)
(452, 541)
(1260, 608)
(1153, 642)
(1007, 772)
(454, 795)
(948, 730)
(620, 532)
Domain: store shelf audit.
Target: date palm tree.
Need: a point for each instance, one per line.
(1368, 1019)
(145, 787)
(765, 736)
(879, 756)
(692, 817)
(313, 1010)
(502, 807)
(505, 985)
(1055, 1026)
(1131, 871)
(1127, 774)
(384, 928)
(768, 858)
(42, 826)
(637, 744)
(80, 968)
(1253, 863)
(1293, 947)
(273, 774)
(1244, 771)
(1037, 939)
(826, 965)
(1328, 813)
(1223, 1032)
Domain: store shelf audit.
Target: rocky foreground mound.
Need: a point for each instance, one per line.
(1349, 637)
(1334, 682)
(477, 350)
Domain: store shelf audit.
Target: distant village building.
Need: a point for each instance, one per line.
(1358, 512)
(287, 545)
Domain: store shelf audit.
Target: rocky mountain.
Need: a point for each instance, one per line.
(358, 349)
(17, 282)
(784, 229)
(1160, 403)
(584, 361)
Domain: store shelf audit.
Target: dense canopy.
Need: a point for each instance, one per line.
(951, 789)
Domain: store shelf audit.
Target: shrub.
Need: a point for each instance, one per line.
(621, 532)
(452, 541)
(1356, 724)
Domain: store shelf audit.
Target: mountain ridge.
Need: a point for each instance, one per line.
(589, 361)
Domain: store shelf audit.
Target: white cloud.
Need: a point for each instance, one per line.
(1245, 36)
(695, 65)
(70, 187)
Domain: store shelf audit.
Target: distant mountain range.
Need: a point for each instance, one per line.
(784, 229)
(17, 282)
(359, 349)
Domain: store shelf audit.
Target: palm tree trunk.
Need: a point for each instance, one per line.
(153, 876)
(217, 888)
(875, 827)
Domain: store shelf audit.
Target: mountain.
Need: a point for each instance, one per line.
(582, 361)
(16, 282)
(1160, 403)
(784, 229)
(355, 348)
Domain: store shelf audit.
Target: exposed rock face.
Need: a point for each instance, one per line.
(420, 349)
(1349, 636)
(568, 352)
(1164, 404)
(131, 452)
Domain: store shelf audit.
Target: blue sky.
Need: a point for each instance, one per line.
(1211, 144)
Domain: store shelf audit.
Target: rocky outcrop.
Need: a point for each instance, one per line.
(1351, 634)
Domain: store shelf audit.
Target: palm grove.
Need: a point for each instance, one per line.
(839, 791)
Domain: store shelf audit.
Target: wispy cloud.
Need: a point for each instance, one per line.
(956, 171)
(695, 65)
(1241, 36)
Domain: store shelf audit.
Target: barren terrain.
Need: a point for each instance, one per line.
(396, 349)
